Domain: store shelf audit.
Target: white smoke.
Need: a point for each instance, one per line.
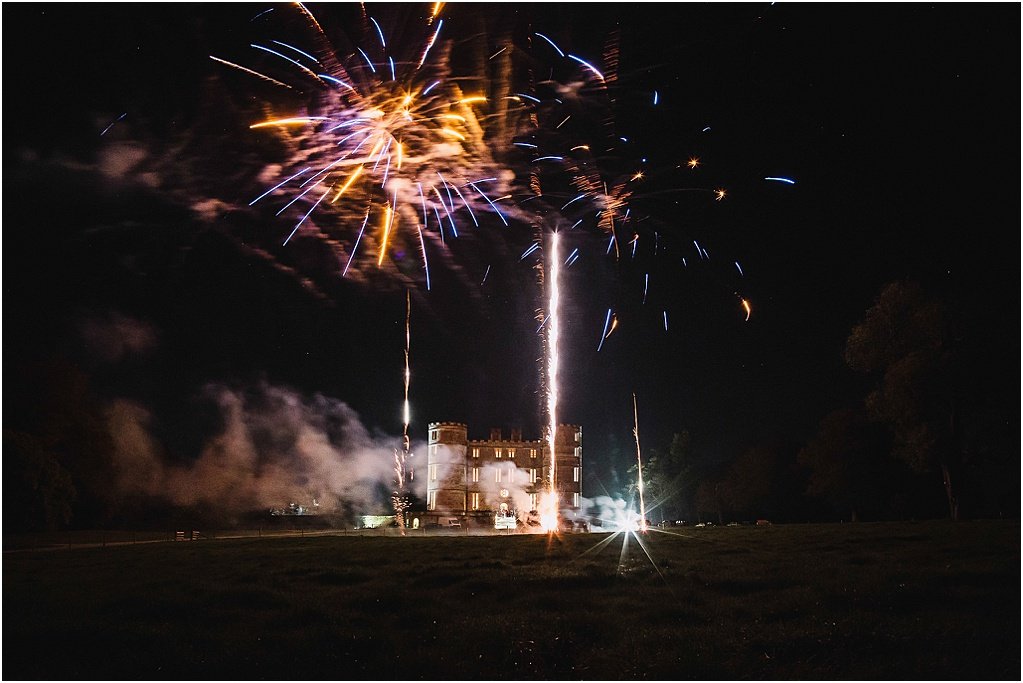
(111, 336)
(274, 446)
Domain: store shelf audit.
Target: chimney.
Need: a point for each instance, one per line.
(516, 434)
(495, 433)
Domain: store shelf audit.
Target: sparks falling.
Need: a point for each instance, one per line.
(639, 465)
(549, 501)
(382, 141)
(400, 498)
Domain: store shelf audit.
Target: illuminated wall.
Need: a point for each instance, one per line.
(466, 476)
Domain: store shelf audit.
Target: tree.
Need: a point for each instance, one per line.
(38, 491)
(848, 462)
(904, 342)
(668, 481)
(763, 482)
(708, 500)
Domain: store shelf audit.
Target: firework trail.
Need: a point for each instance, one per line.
(400, 499)
(639, 465)
(382, 136)
(549, 503)
(589, 176)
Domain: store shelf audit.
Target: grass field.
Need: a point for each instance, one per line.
(928, 600)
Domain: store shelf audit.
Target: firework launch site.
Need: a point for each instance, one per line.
(923, 600)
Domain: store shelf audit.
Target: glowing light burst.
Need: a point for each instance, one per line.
(571, 107)
(549, 504)
(386, 142)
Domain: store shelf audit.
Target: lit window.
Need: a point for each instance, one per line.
(532, 501)
(433, 473)
(532, 452)
(575, 474)
(475, 452)
(578, 451)
(578, 437)
(475, 474)
(431, 500)
(497, 452)
(498, 474)
(532, 475)
(511, 452)
(475, 501)
(575, 500)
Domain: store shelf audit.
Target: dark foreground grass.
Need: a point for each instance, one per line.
(936, 601)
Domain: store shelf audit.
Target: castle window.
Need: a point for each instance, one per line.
(575, 474)
(475, 452)
(475, 474)
(578, 437)
(433, 449)
(497, 452)
(433, 435)
(532, 501)
(578, 451)
(532, 475)
(575, 500)
(431, 500)
(433, 473)
(475, 498)
(511, 452)
(532, 452)
(498, 474)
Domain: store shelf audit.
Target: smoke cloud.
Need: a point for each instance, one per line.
(273, 446)
(112, 336)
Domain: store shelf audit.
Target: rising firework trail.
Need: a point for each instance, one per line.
(401, 458)
(549, 502)
(639, 465)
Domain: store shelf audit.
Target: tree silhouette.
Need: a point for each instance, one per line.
(669, 478)
(903, 341)
(38, 491)
(849, 463)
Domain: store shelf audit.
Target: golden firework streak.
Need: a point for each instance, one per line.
(549, 507)
(639, 465)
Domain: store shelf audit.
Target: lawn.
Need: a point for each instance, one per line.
(925, 600)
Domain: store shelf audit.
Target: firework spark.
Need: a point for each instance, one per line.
(370, 142)
(639, 466)
(549, 503)
(400, 498)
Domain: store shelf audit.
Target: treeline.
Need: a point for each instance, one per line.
(933, 436)
(928, 439)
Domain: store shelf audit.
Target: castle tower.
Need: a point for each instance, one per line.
(445, 476)
(568, 456)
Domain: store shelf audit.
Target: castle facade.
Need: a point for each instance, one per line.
(480, 479)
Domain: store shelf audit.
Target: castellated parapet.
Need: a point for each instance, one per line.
(484, 477)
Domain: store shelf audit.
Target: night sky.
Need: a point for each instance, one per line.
(134, 263)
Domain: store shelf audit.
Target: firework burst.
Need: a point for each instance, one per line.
(386, 152)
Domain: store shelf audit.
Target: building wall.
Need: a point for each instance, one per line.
(445, 469)
(479, 476)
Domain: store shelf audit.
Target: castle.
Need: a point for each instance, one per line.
(480, 479)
